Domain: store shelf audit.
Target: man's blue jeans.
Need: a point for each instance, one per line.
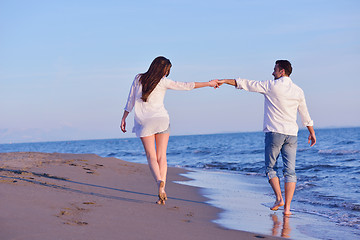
(276, 143)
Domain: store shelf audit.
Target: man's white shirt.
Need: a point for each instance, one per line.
(283, 99)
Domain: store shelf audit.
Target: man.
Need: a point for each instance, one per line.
(283, 99)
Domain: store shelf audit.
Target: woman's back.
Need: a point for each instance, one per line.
(151, 115)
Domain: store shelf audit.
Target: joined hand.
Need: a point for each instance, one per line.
(216, 83)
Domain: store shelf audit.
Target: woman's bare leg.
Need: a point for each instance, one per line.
(156, 156)
(150, 151)
(161, 147)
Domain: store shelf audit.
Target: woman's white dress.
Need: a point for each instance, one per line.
(151, 116)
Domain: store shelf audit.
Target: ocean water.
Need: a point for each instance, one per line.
(328, 187)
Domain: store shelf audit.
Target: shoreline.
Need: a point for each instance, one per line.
(84, 196)
(245, 201)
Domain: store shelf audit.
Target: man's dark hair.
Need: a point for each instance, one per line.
(286, 65)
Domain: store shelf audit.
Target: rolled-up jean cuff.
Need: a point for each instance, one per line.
(290, 178)
(271, 175)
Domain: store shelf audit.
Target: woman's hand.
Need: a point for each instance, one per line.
(123, 121)
(214, 83)
(123, 125)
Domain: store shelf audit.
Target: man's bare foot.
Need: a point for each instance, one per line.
(287, 212)
(277, 204)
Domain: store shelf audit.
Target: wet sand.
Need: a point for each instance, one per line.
(84, 196)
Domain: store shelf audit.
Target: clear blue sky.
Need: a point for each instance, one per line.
(66, 66)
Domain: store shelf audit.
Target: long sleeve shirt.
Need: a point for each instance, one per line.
(151, 117)
(283, 99)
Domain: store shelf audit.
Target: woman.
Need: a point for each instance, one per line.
(151, 120)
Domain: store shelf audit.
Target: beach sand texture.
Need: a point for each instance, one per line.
(84, 196)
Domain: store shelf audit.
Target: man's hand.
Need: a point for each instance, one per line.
(220, 82)
(227, 81)
(312, 139)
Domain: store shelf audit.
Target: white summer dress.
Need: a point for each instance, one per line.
(151, 116)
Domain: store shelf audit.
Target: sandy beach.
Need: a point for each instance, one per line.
(84, 196)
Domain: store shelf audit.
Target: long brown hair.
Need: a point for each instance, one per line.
(157, 70)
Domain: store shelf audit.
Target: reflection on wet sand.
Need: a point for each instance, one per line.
(285, 224)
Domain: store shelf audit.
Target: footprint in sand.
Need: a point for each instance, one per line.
(174, 208)
(89, 170)
(74, 214)
(190, 214)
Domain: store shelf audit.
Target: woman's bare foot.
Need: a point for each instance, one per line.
(162, 193)
(160, 202)
(277, 204)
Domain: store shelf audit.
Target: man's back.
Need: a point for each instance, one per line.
(283, 99)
